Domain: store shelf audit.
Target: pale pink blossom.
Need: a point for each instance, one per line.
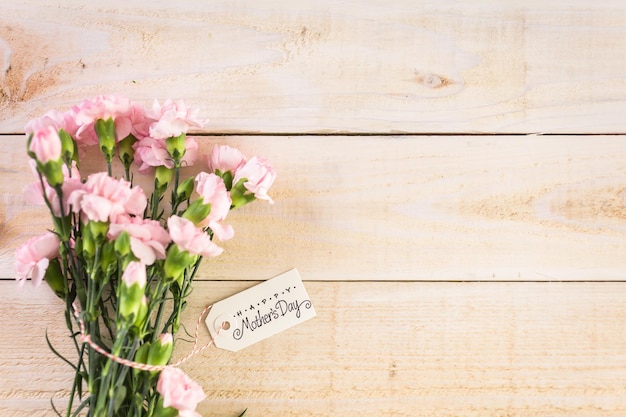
(33, 192)
(52, 118)
(190, 238)
(103, 198)
(140, 121)
(55, 119)
(173, 118)
(259, 176)
(46, 144)
(151, 153)
(148, 239)
(213, 191)
(84, 135)
(135, 273)
(179, 391)
(225, 159)
(104, 107)
(33, 257)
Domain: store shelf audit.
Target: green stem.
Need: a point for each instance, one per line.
(75, 384)
(159, 316)
(92, 356)
(175, 202)
(127, 173)
(155, 199)
(106, 320)
(93, 287)
(107, 373)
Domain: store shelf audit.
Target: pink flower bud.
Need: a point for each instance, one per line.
(135, 273)
(46, 145)
(166, 338)
(132, 301)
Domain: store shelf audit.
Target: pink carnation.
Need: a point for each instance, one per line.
(225, 159)
(103, 107)
(34, 255)
(259, 176)
(33, 193)
(190, 238)
(103, 198)
(55, 119)
(173, 118)
(140, 121)
(84, 135)
(179, 391)
(148, 239)
(46, 144)
(151, 153)
(213, 191)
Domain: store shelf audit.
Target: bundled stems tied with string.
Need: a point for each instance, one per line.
(122, 261)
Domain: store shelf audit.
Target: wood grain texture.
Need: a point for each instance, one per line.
(406, 208)
(375, 349)
(383, 229)
(321, 65)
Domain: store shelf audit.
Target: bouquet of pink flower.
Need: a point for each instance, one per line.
(124, 262)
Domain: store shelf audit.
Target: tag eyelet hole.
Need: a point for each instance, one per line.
(225, 323)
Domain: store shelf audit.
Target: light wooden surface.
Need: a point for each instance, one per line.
(430, 258)
(322, 65)
(408, 208)
(402, 349)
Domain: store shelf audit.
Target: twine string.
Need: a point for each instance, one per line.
(86, 338)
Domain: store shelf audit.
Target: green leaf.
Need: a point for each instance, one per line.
(82, 376)
(240, 195)
(54, 408)
(228, 180)
(197, 211)
(184, 190)
(58, 354)
(81, 406)
(55, 278)
(120, 395)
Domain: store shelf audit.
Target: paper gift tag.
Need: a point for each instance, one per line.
(260, 312)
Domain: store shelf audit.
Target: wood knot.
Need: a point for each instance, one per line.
(434, 81)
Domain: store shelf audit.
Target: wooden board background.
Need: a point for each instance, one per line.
(451, 186)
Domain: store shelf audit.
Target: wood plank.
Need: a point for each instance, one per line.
(406, 208)
(403, 349)
(323, 66)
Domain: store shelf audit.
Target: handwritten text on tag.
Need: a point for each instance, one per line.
(260, 312)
